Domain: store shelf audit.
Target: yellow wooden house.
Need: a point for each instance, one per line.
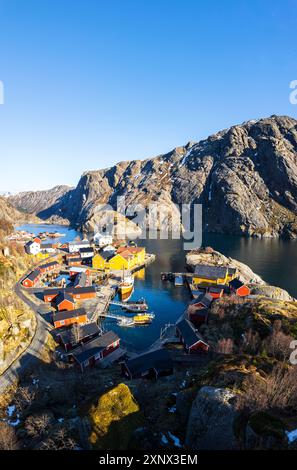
(206, 274)
(125, 258)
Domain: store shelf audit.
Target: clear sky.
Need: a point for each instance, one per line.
(88, 83)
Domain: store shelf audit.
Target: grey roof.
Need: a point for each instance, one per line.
(236, 283)
(33, 275)
(58, 316)
(80, 280)
(188, 333)
(69, 290)
(80, 243)
(47, 245)
(210, 272)
(86, 250)
(216, 288)
(95, 346)
(158, 360)
(63, 296)
(85, 330)
(205, 299)
(48, 265)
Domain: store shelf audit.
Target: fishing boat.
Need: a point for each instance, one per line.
(143, 318)
(126, 287)
(136, 306)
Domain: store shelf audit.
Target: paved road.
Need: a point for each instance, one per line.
(34, 350)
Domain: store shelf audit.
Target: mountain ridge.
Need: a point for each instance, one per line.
(245, 177)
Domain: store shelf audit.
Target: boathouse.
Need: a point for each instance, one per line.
(64, 301)
(190, 337)
(70, 338)
(239, 288)
(95, 350)
(32, 278)
(153, 364)
(68, 317)
(205, 274)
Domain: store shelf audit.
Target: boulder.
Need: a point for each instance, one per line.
(210, 424)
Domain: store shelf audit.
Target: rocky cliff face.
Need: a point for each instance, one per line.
(245, 177)
(10, 215)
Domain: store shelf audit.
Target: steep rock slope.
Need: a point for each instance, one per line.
(245, 177)
(34, 202)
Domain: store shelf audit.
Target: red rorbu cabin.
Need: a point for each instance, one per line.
(239, 288)
(48, 267)
(69, 317)
(32, 279)
(190, 337)
(216, 291)
(64, 301)
(96, 350)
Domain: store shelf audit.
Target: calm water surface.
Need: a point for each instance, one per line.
(274, 260)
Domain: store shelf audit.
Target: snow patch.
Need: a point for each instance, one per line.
(292, 435)
(175, 439)
(10, 410)
(164, 439)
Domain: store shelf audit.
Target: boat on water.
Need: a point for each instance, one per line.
(143, 318)
(126, 287)
(138, 320)
(136, 306)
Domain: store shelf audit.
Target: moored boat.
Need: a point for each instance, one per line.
(126, 287)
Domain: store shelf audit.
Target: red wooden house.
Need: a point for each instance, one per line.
(96, 350)
(32, 279)
(64, 301)
(69, 317)
(239, 288)
(216, 291)
(82, 293)
(190, 337)
(69, 339)
(75, 261)
(48, 267)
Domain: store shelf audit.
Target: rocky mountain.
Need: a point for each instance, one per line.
(10, 215)
(35, 202)
(245, 177)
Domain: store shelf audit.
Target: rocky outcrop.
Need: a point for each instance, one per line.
(215, 258)
(210, 425)
(245, 177)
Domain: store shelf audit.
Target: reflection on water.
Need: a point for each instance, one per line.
(275, 260)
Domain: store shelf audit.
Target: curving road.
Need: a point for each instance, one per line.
(33, 351)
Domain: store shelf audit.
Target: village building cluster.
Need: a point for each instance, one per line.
(80, 337)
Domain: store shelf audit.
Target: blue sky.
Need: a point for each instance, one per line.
(88, 83)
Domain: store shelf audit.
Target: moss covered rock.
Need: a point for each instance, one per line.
(114, 419)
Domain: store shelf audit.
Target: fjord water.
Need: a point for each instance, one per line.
(274, 260)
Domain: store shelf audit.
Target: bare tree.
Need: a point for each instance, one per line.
(225, 346)
(8, 439)
(278, 390)
(76, 333)
(38, 425)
